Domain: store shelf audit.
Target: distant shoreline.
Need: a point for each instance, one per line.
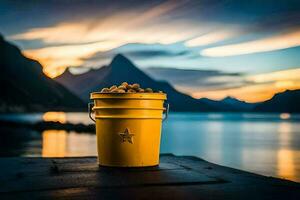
(180, 111)
(41, 126)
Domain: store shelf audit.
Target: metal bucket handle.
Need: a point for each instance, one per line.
(91, 105)
(90, 109)
(166, 112)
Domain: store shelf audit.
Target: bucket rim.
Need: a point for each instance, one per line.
(137, 96)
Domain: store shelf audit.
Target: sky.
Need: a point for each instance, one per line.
(245, 49)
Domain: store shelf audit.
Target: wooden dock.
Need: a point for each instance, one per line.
(175, 178)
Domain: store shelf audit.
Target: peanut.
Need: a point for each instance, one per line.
(131, 91)
(124, 84)
(135, 86)
(115, 90)
(149, 90)
(113, 87)
(128, 88)
(122, 87)
(121, 91)
(105, 90)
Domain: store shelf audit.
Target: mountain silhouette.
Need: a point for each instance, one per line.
(238, 104)
(287, 101)
(120, 70)
(24, 87)
(229, 104)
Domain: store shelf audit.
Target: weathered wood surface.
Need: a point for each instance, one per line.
(175, 178)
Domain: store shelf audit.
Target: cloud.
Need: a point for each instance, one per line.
(138, 53)
(282, 41)
(277, 76)
(143, 52)
(124, 26)
(93, 35)
(75, 34)
(55, 34)
(211, 38)
(56, 59)
(154, 53)
(197, 80)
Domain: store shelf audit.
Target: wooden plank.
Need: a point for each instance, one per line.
(76, 173)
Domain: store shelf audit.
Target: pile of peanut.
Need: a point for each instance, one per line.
(127, 88)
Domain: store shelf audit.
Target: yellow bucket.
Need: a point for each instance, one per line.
(128, 127)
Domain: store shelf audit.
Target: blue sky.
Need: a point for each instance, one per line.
(250, 38)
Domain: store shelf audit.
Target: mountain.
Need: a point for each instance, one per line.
(229, 104)
(288, 101)
(237, 104)
(24, 87)
(121, 69)
(219, 105)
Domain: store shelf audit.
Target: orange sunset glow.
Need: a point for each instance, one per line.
(266, 85)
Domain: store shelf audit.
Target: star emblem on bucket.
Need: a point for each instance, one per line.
(127, 136)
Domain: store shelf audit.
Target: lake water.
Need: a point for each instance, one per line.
(267, 144)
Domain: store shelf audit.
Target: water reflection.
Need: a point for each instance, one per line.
(259, 160)
(286, 165)
(81, 144)
(58, 143)
(259, 145)
(285, 156)
(264, 146)
(267, 144)
(54, 143)
(213, 142)
(55, 117)
(284, 116)
(63, 117)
